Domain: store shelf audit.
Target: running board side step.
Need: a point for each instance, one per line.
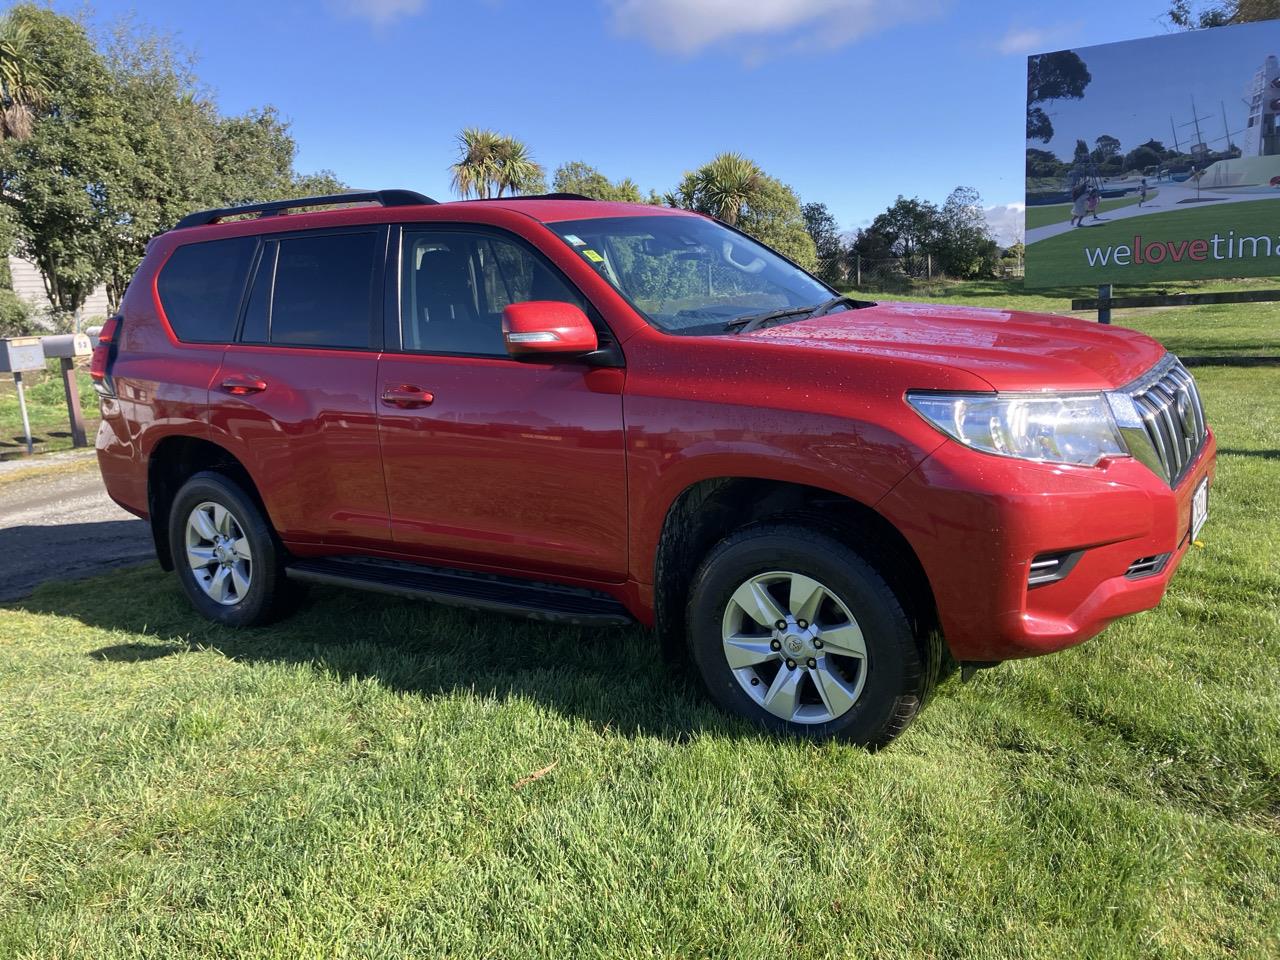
(461, 588)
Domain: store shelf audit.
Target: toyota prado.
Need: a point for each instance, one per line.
(603, 413)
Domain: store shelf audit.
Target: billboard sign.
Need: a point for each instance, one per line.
(1155, 159)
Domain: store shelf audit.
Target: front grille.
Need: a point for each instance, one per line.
(1168, 403)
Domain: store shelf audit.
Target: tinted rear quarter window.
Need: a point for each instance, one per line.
(201, 286)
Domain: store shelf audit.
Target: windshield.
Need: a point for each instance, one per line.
(689, 274)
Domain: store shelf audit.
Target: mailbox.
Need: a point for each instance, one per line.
(21, 353)
(67, 345)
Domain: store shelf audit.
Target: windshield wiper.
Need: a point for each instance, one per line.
(847, 302)
(757, 320)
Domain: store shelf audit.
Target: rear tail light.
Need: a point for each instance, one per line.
(103, 353)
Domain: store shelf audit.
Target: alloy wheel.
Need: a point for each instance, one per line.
(219, 553)
(794, 647)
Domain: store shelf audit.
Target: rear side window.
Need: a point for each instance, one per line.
(201, 285)
(315, 291)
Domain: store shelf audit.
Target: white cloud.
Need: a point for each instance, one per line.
(1005, 221)
(1025, 40)
(687, 26)
(379, 12)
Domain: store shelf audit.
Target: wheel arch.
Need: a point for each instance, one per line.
(169, 464)
(708, 510)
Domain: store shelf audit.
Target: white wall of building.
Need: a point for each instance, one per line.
(28, 285)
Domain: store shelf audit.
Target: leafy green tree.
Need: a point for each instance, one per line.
(906, 230)
(1105, 148)
(734, 189)
(253, 157)
(579, 177)
(181, 154)
(322, 183)
(166, 167)
(58, 182)
(1139, 158)
(1043, 163)
(6, 248)
(490, 164)
(825, 234)
(1081, 155)
(24, 87)
(1221, 13)
(963, 246)
(15, 314)
(1052, 76)
(955, 237)
(123, 143)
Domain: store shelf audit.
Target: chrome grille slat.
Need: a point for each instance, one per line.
(1176, 436)
(1167, 401)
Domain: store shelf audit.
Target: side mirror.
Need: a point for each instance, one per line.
(547, 327)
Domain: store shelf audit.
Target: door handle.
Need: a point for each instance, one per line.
(407, 396)
(240, 386)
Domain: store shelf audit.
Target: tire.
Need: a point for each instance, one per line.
(251, 588)
(865, 693)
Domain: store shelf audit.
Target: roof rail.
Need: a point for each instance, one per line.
(388, 198)
(533, 196)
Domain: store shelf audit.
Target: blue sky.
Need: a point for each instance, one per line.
(852, 102)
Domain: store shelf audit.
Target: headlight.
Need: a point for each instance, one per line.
(1077, 428)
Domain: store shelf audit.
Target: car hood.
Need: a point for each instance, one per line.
(1009, 349)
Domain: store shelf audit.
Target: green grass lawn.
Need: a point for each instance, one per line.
(1044, 214)
(47, 410)
(1063, 257)
(354, 782)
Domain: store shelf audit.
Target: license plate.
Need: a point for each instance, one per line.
(1199, 508)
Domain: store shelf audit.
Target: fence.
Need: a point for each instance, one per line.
(899, 273)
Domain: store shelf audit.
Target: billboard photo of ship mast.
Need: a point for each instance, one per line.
(1155, 159)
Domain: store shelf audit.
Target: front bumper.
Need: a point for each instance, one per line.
(977, 521)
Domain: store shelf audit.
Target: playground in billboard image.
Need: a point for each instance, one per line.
(1155, 159)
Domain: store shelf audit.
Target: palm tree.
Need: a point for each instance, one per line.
(516, 170)
(23, 86)
(474, 171)
(490, 164)
(727, 185)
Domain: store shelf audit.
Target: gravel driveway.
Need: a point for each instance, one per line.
(59, 524)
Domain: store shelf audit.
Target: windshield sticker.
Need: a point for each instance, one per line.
(575, 240)
(593, 256)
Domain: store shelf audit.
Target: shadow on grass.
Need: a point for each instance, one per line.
(1226, 360)
(610, 678)
(1260, 454)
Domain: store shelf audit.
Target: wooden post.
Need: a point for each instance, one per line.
(76, 415)
(22, 405)
(1104, 303)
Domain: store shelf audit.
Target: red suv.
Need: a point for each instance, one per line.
(602, 413)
